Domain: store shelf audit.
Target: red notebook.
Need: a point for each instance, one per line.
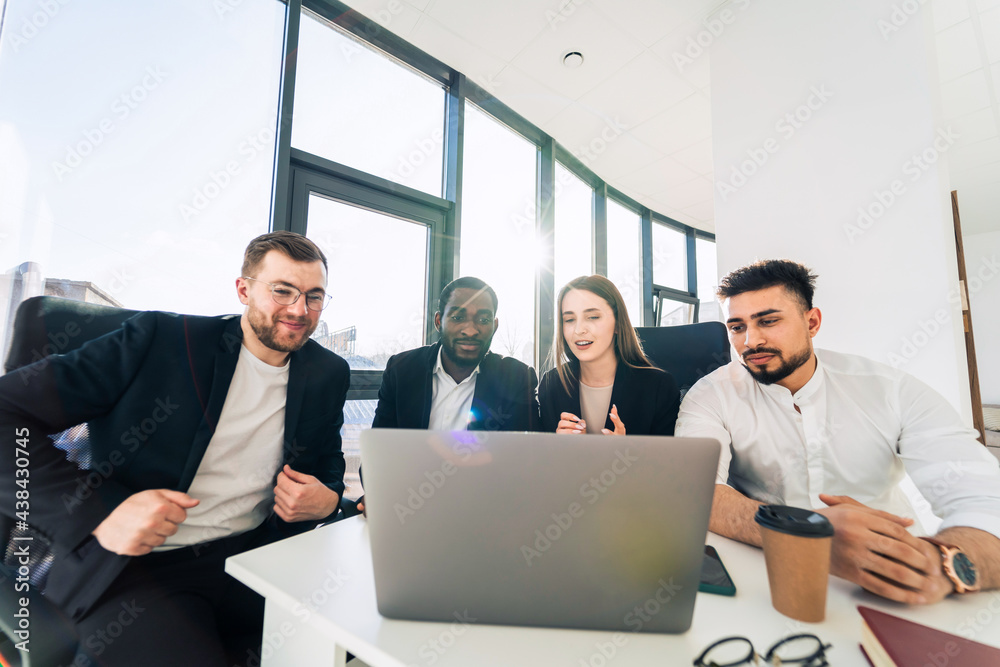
(890, 641)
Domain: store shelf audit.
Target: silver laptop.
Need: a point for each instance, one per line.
(569, 531)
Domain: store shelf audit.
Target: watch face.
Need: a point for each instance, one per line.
(964, 569)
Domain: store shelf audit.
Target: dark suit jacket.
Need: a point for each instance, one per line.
(647, 400)
(151, 394)
(504, 399)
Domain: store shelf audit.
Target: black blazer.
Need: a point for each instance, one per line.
(647, 400)
(504, 399)
(151, 393)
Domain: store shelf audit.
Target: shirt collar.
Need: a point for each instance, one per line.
(441, 372)
(810, 388)
(807, 391)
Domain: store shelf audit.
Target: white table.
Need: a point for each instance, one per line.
(320, 596)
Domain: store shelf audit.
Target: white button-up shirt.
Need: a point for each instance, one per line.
(860, 426)
(451, 402)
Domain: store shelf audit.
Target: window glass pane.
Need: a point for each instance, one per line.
(134, 172)
(358, 416)
(574, 239)
(498, 227)
(356, 106)
(675, 313)
(374, 313)
(625, 257)
(708, 281)
(669, 257)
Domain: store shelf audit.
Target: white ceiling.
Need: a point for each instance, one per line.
(663, 159)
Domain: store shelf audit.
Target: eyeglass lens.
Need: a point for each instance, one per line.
(799, 650)
(728, 653)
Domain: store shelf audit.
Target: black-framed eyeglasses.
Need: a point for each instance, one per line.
(286, 295)
(806, 650)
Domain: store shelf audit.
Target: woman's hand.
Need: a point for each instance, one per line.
(570, 423)
(619, 426)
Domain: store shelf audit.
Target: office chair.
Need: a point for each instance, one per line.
(688, 352)
(44, 326)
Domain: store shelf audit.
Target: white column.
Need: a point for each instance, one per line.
(829, 150)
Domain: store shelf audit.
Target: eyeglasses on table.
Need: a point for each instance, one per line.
(804, 650)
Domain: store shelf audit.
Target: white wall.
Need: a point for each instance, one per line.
(982, 266)
(815, 114)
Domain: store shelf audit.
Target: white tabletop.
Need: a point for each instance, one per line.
(321, 583)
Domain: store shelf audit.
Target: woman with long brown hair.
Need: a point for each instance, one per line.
(602, 381)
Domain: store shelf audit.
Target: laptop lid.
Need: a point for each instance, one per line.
(570, 531)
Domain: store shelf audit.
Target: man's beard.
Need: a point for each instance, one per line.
(267, 332)
(447, 347)
(787, 367)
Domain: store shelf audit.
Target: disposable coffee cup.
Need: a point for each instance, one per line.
(797, 552)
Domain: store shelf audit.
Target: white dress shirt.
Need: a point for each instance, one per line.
(862, 425)
(451, 402)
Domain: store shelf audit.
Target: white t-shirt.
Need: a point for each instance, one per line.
(236, 477)
(451, 402)
(862, 425)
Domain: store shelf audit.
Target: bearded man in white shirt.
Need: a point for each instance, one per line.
(836, 433)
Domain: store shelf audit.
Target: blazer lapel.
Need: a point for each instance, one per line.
(226, 355)
(619, 394)
(297, 374)
(426, 391)
(485, 399)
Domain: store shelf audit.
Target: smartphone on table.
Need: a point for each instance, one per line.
(714, 577)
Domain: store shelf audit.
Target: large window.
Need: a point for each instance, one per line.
(133, 171)
(137, 180)
(625, 257)
(355, 106)
(573, 244)
(669, 257)
(498, 241)
(708, 280)
(374, 313)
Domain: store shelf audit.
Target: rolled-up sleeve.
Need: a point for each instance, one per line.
(953, 471)
(701, 416)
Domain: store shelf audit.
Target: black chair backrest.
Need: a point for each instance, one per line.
(43, 326)
(688, 352)
(47, 325)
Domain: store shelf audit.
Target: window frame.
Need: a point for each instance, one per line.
(296, 169)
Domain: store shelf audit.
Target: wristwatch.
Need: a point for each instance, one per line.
(957, 567)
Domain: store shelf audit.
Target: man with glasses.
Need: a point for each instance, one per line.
(210, 436)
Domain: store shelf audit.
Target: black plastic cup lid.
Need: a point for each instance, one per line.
(794, 521)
